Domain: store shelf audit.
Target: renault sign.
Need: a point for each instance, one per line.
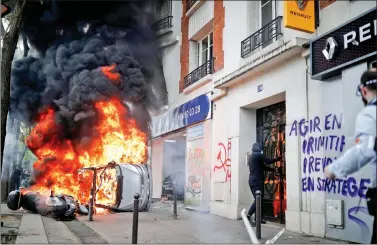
(331, 48)
(299, 15)
(353, 42)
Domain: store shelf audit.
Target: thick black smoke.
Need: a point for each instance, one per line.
(74, 39)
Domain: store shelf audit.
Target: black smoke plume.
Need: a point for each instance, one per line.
(73, 40)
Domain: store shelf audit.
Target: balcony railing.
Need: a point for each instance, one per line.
(199, 73)
(190, 3)
(262, 37)
(162, 24)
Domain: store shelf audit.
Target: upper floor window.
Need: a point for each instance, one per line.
(164, 8)
(266, 11)
(204, 50)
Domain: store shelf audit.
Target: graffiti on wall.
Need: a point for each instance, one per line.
(196, 171)
(224, 161)
(194, 186)
(322, 136)
(322, 143)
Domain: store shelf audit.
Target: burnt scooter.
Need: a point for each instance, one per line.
(59, 207)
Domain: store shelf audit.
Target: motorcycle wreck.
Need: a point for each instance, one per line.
(59, 207)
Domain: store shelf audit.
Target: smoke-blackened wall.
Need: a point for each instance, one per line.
(75, 42)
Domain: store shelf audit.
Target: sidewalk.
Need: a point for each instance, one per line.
(34, 229)
(156, 226)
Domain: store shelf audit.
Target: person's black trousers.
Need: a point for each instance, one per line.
(16, 184)
(256, 185)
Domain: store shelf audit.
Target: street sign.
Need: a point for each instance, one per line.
(4, 10)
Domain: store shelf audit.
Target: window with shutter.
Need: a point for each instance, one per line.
(266, 12)
(253, 16)
(203, 50)
(193, 55)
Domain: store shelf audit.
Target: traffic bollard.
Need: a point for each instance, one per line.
(92, 201)
(175, 215)
(91, 204)
(135, 223)
(258, 215)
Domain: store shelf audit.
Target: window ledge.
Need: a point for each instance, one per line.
(169, 42)
(164, 31)
(201, 82)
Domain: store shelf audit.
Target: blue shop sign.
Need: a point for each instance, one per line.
(191, 112)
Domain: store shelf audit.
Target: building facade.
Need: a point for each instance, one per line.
(282, 73)
(181, 135)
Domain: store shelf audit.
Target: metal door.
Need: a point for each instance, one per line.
(271, 133)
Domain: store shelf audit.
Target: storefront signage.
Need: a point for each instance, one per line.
(353, 42)
(195, 132)
(189, 113)
(299, 15)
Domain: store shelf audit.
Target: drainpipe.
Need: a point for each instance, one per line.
(309, 201)
(306, 56)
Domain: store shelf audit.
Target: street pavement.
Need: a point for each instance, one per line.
(155, 226)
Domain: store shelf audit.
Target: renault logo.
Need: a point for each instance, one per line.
(302, 4)
(331, 48)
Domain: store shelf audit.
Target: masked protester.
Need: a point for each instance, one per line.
(256, 177)
(364, 150)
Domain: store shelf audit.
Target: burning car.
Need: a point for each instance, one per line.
(111, 163)
(129, 179)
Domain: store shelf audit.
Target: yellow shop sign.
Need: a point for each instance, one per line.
(299, 15)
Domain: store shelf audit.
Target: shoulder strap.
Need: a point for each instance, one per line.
(375, 139)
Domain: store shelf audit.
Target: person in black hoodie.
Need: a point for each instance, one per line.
(256, 177)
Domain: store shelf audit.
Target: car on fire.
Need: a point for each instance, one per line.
(130, 179)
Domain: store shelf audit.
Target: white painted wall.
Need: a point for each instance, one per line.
(335, 96)
(340, 12)
(231, 121)
(157, 158)
(171, 55)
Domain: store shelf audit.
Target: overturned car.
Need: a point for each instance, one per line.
(130, 179)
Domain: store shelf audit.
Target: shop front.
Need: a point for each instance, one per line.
(337, 60)
(258, 108)
(181, 152)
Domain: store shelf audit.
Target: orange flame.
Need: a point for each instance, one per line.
(108, 72)
(115, 138)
